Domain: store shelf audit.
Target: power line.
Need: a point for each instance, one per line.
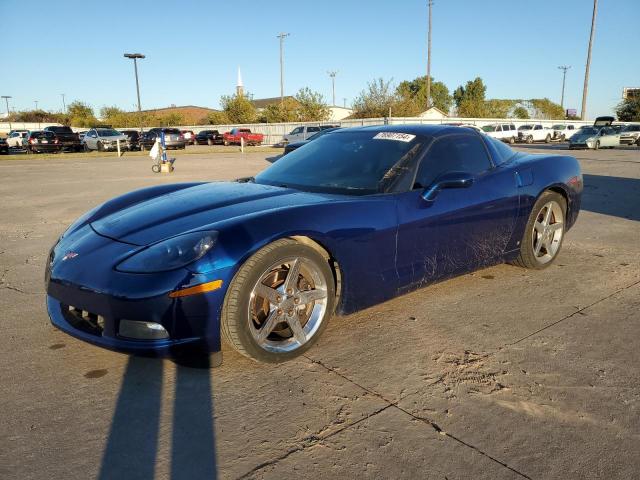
(564, 69)
(333, 74)
(282, 36)
(583, 112)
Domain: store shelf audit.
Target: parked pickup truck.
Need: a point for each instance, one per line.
(534, 133)
(66, 137)
(233, 137)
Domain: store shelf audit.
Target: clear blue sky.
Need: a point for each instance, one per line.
(193, 48)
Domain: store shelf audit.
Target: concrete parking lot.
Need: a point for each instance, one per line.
(501, 374)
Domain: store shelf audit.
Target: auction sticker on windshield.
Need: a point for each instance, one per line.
(399, 137)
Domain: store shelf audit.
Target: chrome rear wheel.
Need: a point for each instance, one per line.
(547, 233)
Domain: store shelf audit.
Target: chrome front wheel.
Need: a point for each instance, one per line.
(547, 233)
(279, 301)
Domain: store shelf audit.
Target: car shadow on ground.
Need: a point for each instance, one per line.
(132, 445)
(617, 196)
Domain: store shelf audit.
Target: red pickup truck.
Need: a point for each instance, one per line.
(233, 137)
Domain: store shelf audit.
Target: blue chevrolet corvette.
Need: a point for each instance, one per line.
(347, 221)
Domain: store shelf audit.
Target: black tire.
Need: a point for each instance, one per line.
(512, 140)
(99, 146)
(547, 139)
(209, 142)
(234, 321)
(526, 258)
(529, 139)
(597, 146)
(155, 168)
(226, 144)
(563, 137)
(86, 148)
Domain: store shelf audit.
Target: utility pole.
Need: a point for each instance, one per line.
(36, 102)
(64, 106)
(564, 69)
(6, 100)
(583, 112)
(135, 57)
(430, 3)
(332, 74)
(344, 102)
(282, 36)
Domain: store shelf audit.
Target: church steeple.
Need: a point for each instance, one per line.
(239, 85)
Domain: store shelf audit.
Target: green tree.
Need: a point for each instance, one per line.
(238, 109)
(497, 108)
(544, 108)
(416, 91)
(377, 100)
(80, 115)
(116, 117)
(629, 109)
(469, 100)
(216, 118)
(311, 106)
(521, 112)
(277, 112)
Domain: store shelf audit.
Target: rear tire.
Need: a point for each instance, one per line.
(547, 139)
(306, 302)
(529, 139)
(209, 142)
(597, 146)
(543, 236)
(512, 140)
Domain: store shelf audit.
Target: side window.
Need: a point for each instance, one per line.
(297, 130)
(505, 128)
(455, 153)
(569, 127)
(538, 127)
(313, 129)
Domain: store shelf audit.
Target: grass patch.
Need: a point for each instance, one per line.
(193, 150)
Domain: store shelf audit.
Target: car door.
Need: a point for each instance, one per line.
(462, 229)
(609, 138)
(90, 139)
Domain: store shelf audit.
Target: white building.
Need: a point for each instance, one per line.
(433, 113)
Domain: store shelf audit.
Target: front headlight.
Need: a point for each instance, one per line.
(171, 254)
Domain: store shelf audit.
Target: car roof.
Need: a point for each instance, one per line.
(411, 128)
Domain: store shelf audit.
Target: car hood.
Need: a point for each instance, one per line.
(113, 138)
(198, 208)
(581, 137)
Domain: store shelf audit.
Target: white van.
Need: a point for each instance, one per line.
(506, 132)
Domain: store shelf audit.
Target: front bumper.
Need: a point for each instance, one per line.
(87, 298)
(629, 140)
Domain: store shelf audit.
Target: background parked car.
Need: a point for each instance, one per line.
(133, 139)
(104, 139)
(237, 134)
(295, 145)
(630, 135)
(595, 137)
(209, 137)
(15, 138)
(40, 141)
(4, 148)
(534, 133)
(189, 137)
(67, 137)
(172, 138)
(562, 131)
(302, 133)
(502, 131)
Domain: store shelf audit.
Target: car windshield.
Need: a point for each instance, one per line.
(356, 163)
(526, 127)
(489, 128)
(107, 132)
(632, 128)
(589, 130)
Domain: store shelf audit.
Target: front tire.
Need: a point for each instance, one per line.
(529, 139)
(544, 233)
(100, 146)
(547, 139)
(279, 302)
(512, 140)
(209, 142)
(597, 146)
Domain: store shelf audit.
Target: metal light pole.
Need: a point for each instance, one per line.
(64, 106)
(6, 99)
(135, 57)
(332, 74)
(36, 102)
(564, 69)
(430, 3)
(344, 102)
(282, 36)
(583, 112)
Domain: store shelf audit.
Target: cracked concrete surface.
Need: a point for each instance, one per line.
(503, 373)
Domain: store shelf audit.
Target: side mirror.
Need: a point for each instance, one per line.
(448, 180)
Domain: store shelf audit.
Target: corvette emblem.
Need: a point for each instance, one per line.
(69, 256)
